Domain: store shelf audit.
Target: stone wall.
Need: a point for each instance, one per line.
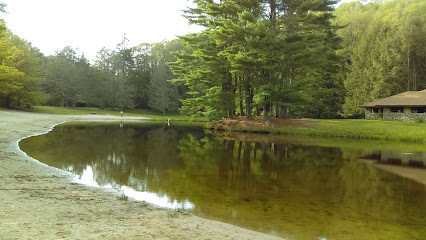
(373, 116)
(404, 117)
(387, 115)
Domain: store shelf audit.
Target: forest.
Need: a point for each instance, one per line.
(270, 58)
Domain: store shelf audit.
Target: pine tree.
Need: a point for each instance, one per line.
(163, 95)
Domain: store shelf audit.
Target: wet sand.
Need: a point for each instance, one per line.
(42, 202)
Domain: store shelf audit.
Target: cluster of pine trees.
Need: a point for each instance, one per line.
(267, 57)
(254, 57)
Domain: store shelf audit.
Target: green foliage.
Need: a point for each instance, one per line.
(270, 58)
(163, 95)
(251, 56)
(420, 120)
(384, 46)
(20, 70)
(63, 75)
(252, 53)
(138, 77)
(80, 103)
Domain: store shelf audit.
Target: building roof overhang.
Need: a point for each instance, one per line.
(405, 99)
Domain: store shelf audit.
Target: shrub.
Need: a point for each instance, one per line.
(420, 120)
(80, 103)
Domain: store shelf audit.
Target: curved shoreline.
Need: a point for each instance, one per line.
(42, 202)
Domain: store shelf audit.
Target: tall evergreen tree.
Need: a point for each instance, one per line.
(163, 95)
(141, 76)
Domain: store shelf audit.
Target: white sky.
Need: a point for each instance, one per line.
(89, 25)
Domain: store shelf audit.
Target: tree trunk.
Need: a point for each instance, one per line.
(63, 99)
(229, 90)
(283, 112)
(249, 100)
(241, 105)
(266, 111)
(7, 102)
(233, 91)
(241, 102)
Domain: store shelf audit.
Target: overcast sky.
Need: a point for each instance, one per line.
(90, 25)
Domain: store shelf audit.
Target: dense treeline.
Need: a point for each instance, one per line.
(385, 47)
(254, 57)
(122, 78)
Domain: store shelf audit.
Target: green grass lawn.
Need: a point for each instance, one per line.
(130, 112)
(363, 129)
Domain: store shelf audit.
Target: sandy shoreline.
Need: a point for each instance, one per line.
(41, 202)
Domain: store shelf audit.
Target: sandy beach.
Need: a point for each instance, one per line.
(41, 202)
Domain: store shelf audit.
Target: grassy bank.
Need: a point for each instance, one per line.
(354, 128)
(362, 129)
(130, 112)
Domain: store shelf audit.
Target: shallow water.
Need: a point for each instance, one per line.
(291, 188)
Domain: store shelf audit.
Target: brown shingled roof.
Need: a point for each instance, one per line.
(405, 99)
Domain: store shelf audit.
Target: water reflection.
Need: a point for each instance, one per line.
(295, 190)
(397, 157)
(87, 178)
(115, 156)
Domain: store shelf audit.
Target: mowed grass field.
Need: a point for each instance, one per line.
(362, 129)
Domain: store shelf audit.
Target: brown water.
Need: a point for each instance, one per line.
(287, 188)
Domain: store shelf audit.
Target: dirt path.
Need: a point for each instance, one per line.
(41, 202)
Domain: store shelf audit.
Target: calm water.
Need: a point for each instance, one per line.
(289, 188)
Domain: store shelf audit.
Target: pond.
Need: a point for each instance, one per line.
(293, 188)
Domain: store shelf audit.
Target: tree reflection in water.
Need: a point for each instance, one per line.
(297, 191)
